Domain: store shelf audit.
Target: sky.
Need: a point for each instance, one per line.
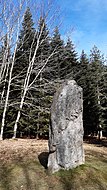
(85, 21)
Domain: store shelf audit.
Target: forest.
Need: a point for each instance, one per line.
(34, 62)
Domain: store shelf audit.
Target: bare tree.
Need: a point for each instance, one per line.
(12, 16)
(27, 86)
(12, 26)
(39, 68)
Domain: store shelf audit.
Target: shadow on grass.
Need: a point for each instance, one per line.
(27, 177)
(5, 177)
(43, 159)
(68, 178)
(19, 175)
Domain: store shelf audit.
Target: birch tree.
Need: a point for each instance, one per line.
(13, 14)
(11, 25)
(36, 66)
(27, 78)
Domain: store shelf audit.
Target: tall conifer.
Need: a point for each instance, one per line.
(56, 44)
(93, 91)
(24, 53)
(69, 64)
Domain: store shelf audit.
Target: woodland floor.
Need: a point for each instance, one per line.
(25, 149)
(23, 167)
(21, 149)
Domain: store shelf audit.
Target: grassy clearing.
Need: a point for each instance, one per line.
(30, 174)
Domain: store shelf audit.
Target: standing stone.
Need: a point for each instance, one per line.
(66, 129)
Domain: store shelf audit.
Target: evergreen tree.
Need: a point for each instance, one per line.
(91, 78)
(104, 100)
(56, 44)
(41, 84)
(83, 69)
(25, 49)
(95, 90)
(43, 50)
(82, 78)
(44, 46)
(26, 38)
(70, 61)
(45, 85)
(24, 53)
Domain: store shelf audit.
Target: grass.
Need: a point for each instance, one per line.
(84, 178)
(31, 175)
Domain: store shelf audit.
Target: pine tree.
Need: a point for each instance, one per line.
(96, 88)
(83, 67)
(44, 46)
(43, 50)
(26, 38)
(25, 51)
(91, 78)
(104, 100)
(56, 44)
(42, 96)
(70, 61)
(82, 78)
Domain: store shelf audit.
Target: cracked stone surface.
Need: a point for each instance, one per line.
(66, 128)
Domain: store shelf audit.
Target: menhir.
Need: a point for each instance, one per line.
(66, 129)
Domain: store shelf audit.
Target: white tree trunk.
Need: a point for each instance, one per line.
(7, 96)
(10, 32)
(25, 87)
(27, 79)
(100, 134)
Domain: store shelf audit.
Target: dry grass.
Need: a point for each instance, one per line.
(23, 162)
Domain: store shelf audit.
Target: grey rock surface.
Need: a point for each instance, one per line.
(66, 128)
